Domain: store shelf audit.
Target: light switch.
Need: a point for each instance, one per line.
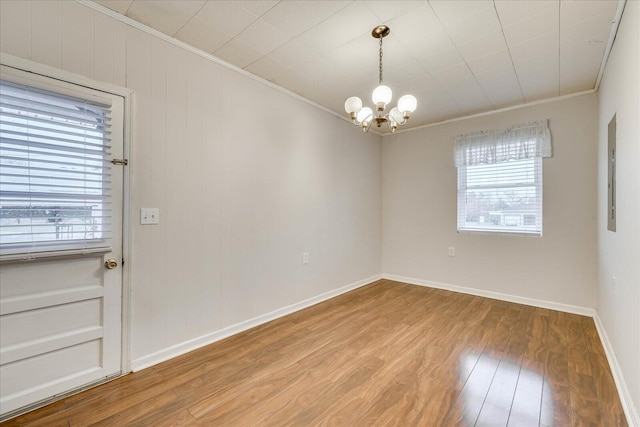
(149, 216)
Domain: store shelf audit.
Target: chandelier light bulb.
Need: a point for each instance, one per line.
(365, 115)
(396, 115)
(353, 105)
(407, 104)
(381, 96)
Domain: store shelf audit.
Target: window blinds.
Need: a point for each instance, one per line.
(54, 171)
(501, 197)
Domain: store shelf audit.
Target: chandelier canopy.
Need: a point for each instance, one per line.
(381, 97)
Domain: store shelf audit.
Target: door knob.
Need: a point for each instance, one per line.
(110, 264)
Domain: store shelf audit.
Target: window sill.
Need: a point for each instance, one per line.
(46, 255)
(501, 232)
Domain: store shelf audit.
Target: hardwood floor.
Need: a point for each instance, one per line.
(385, 354)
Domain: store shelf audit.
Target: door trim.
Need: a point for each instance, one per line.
(128, 119)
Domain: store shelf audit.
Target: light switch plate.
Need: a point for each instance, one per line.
(149, 216)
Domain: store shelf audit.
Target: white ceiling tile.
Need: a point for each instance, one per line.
(576, 79)
(440, 61)
(120, 6)
(357, 60)
(388, 10)
(422, 83)
(454, 74)
(532, 27)
(496, 61)
(540, 82)
(296, 17)
(257, 7)
(584, 32)
(237, 53)
(340, 29)
(398, 64)
(402, 69)
(421, 33)
(263, 36)
(512, 12)
(419, 23)
(584, 55)
(202, 35)
(293, 54)
(165, 16)
(594, 30)
(483, 46)
(227, 16)
(469, 96)
(435, 103)
(473, 27)
(452, 11)
(502, 87)
(576, 11)
(429, 44)
(537, 64)
(267, 68)
(545, 45)
(579, 66)
(318, 79)
(293, 80)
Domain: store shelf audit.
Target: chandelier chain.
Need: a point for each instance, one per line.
(380, 64)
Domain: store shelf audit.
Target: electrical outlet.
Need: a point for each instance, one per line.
(452, 251)
(149, 216)
(305, 257)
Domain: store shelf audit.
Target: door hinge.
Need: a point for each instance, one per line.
(121, 162)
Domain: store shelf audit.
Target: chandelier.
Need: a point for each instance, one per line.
(381, 97)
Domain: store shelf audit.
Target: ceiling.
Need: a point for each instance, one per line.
(457, 57)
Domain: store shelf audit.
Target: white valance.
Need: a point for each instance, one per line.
(517, 143)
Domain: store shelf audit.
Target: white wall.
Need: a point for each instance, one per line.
(419, 211)
(619, 251)
(246, 178)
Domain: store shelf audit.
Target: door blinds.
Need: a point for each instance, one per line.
(54, 171)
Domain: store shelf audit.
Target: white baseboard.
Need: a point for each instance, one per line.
(629, 408)
(193, 344)
(567, 308)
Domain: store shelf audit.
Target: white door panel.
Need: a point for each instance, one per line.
(60, 316)
(38, 325)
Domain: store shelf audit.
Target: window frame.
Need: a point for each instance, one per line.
(463, 189)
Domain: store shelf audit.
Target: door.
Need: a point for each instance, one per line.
(60, 238)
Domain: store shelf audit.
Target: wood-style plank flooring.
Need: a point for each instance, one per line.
(385, 354)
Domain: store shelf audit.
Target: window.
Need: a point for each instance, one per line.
(54, 171)
(500, 179)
